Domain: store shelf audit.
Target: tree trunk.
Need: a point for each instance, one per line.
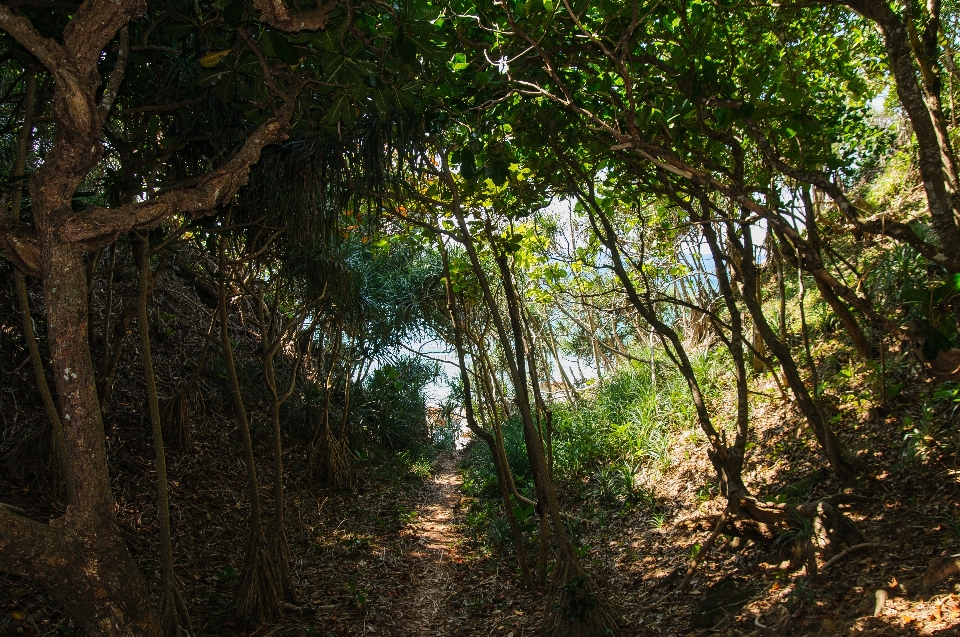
(58, 446)
(729, 467)
(940, 197)
(601, 617)
(81, 560)
(838, 457)
(860, 342)
(501, 468)
(174, 617)
(258, 597)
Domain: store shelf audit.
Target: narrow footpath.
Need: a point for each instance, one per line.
(434, 551)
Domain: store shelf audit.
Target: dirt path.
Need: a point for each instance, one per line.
(434, 559)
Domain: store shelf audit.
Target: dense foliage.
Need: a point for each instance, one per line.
(619, 224)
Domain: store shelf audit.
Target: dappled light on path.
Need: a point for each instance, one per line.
(436, 541)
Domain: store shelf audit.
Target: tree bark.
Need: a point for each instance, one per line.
(59, 446)
(500, 467)
(174, 617)
(840, 460)
(258, 596)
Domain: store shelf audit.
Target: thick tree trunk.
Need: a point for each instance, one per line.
(940, 196)
(86, 567)
(80, 559)
(58, 447)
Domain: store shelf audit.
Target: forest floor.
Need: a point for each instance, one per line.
(399, 557)
(405, 554)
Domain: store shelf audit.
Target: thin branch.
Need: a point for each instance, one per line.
(116, 76)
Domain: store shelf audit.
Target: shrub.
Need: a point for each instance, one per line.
(392, 406)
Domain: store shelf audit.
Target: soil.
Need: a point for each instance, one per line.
(397, 557)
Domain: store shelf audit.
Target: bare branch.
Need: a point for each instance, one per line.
(162, 108)
(276, 14)
(116, 76)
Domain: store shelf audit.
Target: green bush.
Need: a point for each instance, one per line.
(599, 447)
(630, 421)
(392, 406)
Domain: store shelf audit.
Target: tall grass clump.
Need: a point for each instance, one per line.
(630, 421)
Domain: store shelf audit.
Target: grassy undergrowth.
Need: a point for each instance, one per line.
(624, 425)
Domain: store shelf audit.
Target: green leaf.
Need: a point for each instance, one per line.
(233, 13)
(459, 62)
(404, 47)
(177, 31)
(935, 343)
(379, 101)
(275, 45)
(497, 171)
(333, 114)
(210, 60)
(468, 164)
(211, 77)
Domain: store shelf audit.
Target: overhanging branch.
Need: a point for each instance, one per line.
(47, 50)
(99, 226)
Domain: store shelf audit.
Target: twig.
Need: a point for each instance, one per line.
(704, 549)
(17, 510)
(856, 547)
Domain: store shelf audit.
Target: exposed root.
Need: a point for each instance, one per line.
(881, 597)
(704, 550)
(856, 547)
(331, 463)
(939, 570)
(174, 617)
(578, 605)
(175, 419)
(258, 596)
(280, 557)
(833, 531)
(829, 529)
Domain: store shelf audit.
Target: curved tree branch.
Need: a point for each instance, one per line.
(99, 226)
(50, 53)
(18, 242)
(277, 14)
